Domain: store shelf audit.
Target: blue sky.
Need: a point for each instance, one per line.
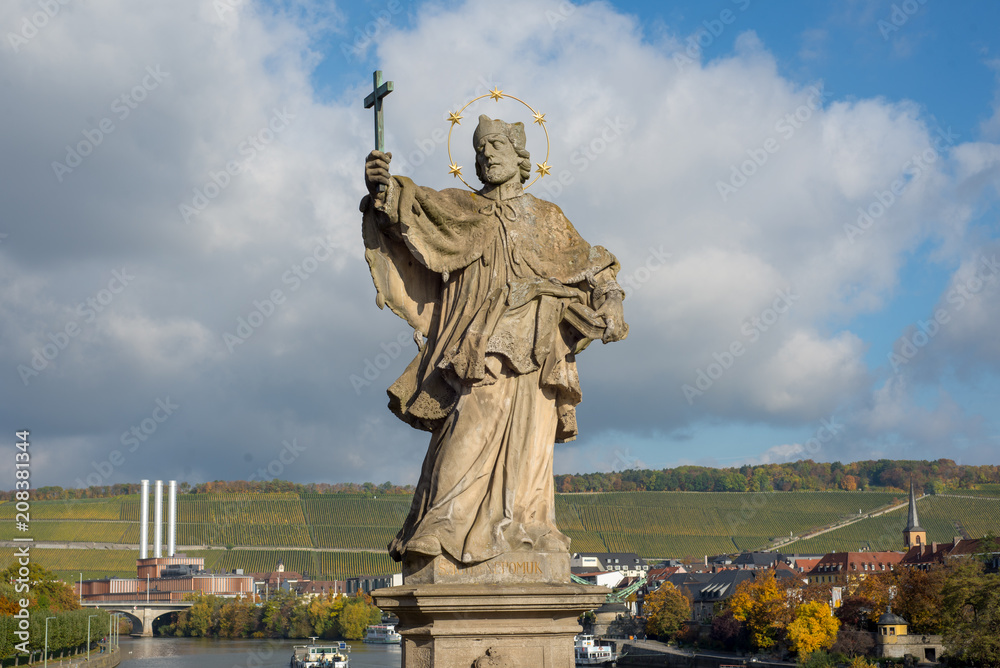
(655, 113)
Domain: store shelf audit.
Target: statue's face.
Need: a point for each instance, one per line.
(498, 161)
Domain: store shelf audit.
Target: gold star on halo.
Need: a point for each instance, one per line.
(539, 118)
(543, 168)
(454, 170)
(496, 93)
(455, 118)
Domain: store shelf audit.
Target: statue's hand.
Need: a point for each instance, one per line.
(614, 317)
(377, 171)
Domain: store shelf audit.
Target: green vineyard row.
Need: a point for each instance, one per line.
(939, 515)
(653, 524)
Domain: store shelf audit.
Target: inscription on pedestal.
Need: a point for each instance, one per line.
(511, 568)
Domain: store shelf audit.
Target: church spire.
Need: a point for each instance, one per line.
(912, 522)
(913, 534)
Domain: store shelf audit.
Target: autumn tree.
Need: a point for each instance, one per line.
(46, 591)
(919, 598)
(666, 610)
(857, 612)
(323, 614)
(971, 614)
(853, 642)
(813, 628)
(763, 606)
(877, 588)
(357, 614)
(728, 631)
(236, 619)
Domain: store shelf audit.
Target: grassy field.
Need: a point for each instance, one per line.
(345, 535)
(944, 517)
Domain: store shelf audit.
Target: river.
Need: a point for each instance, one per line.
(219, 653)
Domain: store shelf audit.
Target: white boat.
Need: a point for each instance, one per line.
(329, 655)
(589, 653)
(382, 634)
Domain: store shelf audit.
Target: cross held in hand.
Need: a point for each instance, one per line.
(374, 99)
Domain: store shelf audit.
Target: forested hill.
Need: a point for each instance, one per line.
(803, 475)
(806, 475)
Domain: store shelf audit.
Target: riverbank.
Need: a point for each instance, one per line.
(643, 653)
(78, 660)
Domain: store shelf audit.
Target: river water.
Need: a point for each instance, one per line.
(213, 653)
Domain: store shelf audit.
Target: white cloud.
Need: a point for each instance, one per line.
(641, 140)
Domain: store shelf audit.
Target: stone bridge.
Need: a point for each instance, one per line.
(140, 613)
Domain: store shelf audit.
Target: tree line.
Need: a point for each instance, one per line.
(284, 615)
(803, 475)
(48, 597)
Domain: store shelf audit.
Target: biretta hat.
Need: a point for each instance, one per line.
(488, 126)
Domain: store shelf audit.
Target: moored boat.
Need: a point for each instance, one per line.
(326, 655)
(382, 634)
(589, 653)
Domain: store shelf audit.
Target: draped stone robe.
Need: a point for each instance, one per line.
(486, 281)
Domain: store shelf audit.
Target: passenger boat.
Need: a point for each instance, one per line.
(588, 653)
(382, 634)
(328, 655)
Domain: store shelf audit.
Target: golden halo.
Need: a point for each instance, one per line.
(496, 94)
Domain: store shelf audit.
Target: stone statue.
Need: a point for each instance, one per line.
(502, 293)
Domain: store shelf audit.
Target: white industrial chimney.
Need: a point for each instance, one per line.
(171, 518)
(158, 520)
(144, 521)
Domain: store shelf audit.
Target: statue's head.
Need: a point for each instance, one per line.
(500, 153)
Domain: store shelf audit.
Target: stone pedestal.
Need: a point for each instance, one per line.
(496, 625)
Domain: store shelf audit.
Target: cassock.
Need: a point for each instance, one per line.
(487, 284)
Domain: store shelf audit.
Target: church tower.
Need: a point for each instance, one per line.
(913, 535)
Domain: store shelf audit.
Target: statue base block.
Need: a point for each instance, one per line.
(509, 568)
(489, 625)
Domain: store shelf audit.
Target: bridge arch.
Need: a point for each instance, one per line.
(142, 615)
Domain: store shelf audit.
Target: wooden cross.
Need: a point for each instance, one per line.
(374, 99)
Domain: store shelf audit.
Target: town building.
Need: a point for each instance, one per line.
(893, 641)
(628, 563)
(369, 583)
(848, 569)
(925, 556)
